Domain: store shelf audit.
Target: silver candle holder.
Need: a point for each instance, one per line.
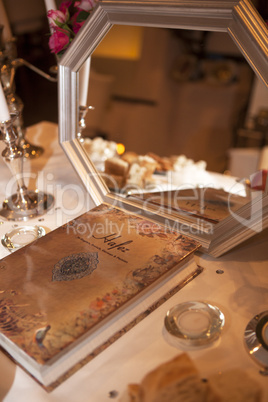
(24, 204)
(9, 64)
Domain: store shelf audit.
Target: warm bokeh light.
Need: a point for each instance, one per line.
(120, 148)
(123, 42)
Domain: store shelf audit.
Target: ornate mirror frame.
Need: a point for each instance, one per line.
(239, 19)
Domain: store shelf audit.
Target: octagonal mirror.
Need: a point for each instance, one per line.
(146, 34)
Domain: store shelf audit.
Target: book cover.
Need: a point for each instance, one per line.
(69, 283)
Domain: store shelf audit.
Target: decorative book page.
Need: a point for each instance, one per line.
(55, 290)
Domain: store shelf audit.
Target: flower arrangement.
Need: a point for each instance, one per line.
(65, 22)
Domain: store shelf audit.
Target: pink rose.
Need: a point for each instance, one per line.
(56, 17)
(59, 40)
(86, 5)
(67, 21)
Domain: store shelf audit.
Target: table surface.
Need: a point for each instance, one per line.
(241, 292)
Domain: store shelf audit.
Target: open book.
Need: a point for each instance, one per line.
(66, 295)
(219, 220)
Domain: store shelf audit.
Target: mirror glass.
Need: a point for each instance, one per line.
(171, 95)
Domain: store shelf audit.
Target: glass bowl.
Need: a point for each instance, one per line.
(194, 323)
(21, 236)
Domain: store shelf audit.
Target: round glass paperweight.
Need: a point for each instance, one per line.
(256, 338)
(194, 323)
(21, 236)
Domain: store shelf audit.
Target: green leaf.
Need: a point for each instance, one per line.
(82, 16)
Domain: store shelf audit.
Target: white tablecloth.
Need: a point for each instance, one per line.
(241, 292)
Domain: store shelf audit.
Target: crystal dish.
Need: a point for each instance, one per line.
(194, 323)
(21, 236)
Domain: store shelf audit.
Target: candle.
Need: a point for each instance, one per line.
(4, 112)
(7, 35)
(50, 5)
(83, 82)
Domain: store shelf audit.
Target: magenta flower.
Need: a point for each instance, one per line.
(59, 40)
(67, 21)
(56, 17)
(86, 5)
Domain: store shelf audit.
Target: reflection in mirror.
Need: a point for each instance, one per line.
(173, 95)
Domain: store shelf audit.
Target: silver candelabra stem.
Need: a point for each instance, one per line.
(24, 204)
(82, 124)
